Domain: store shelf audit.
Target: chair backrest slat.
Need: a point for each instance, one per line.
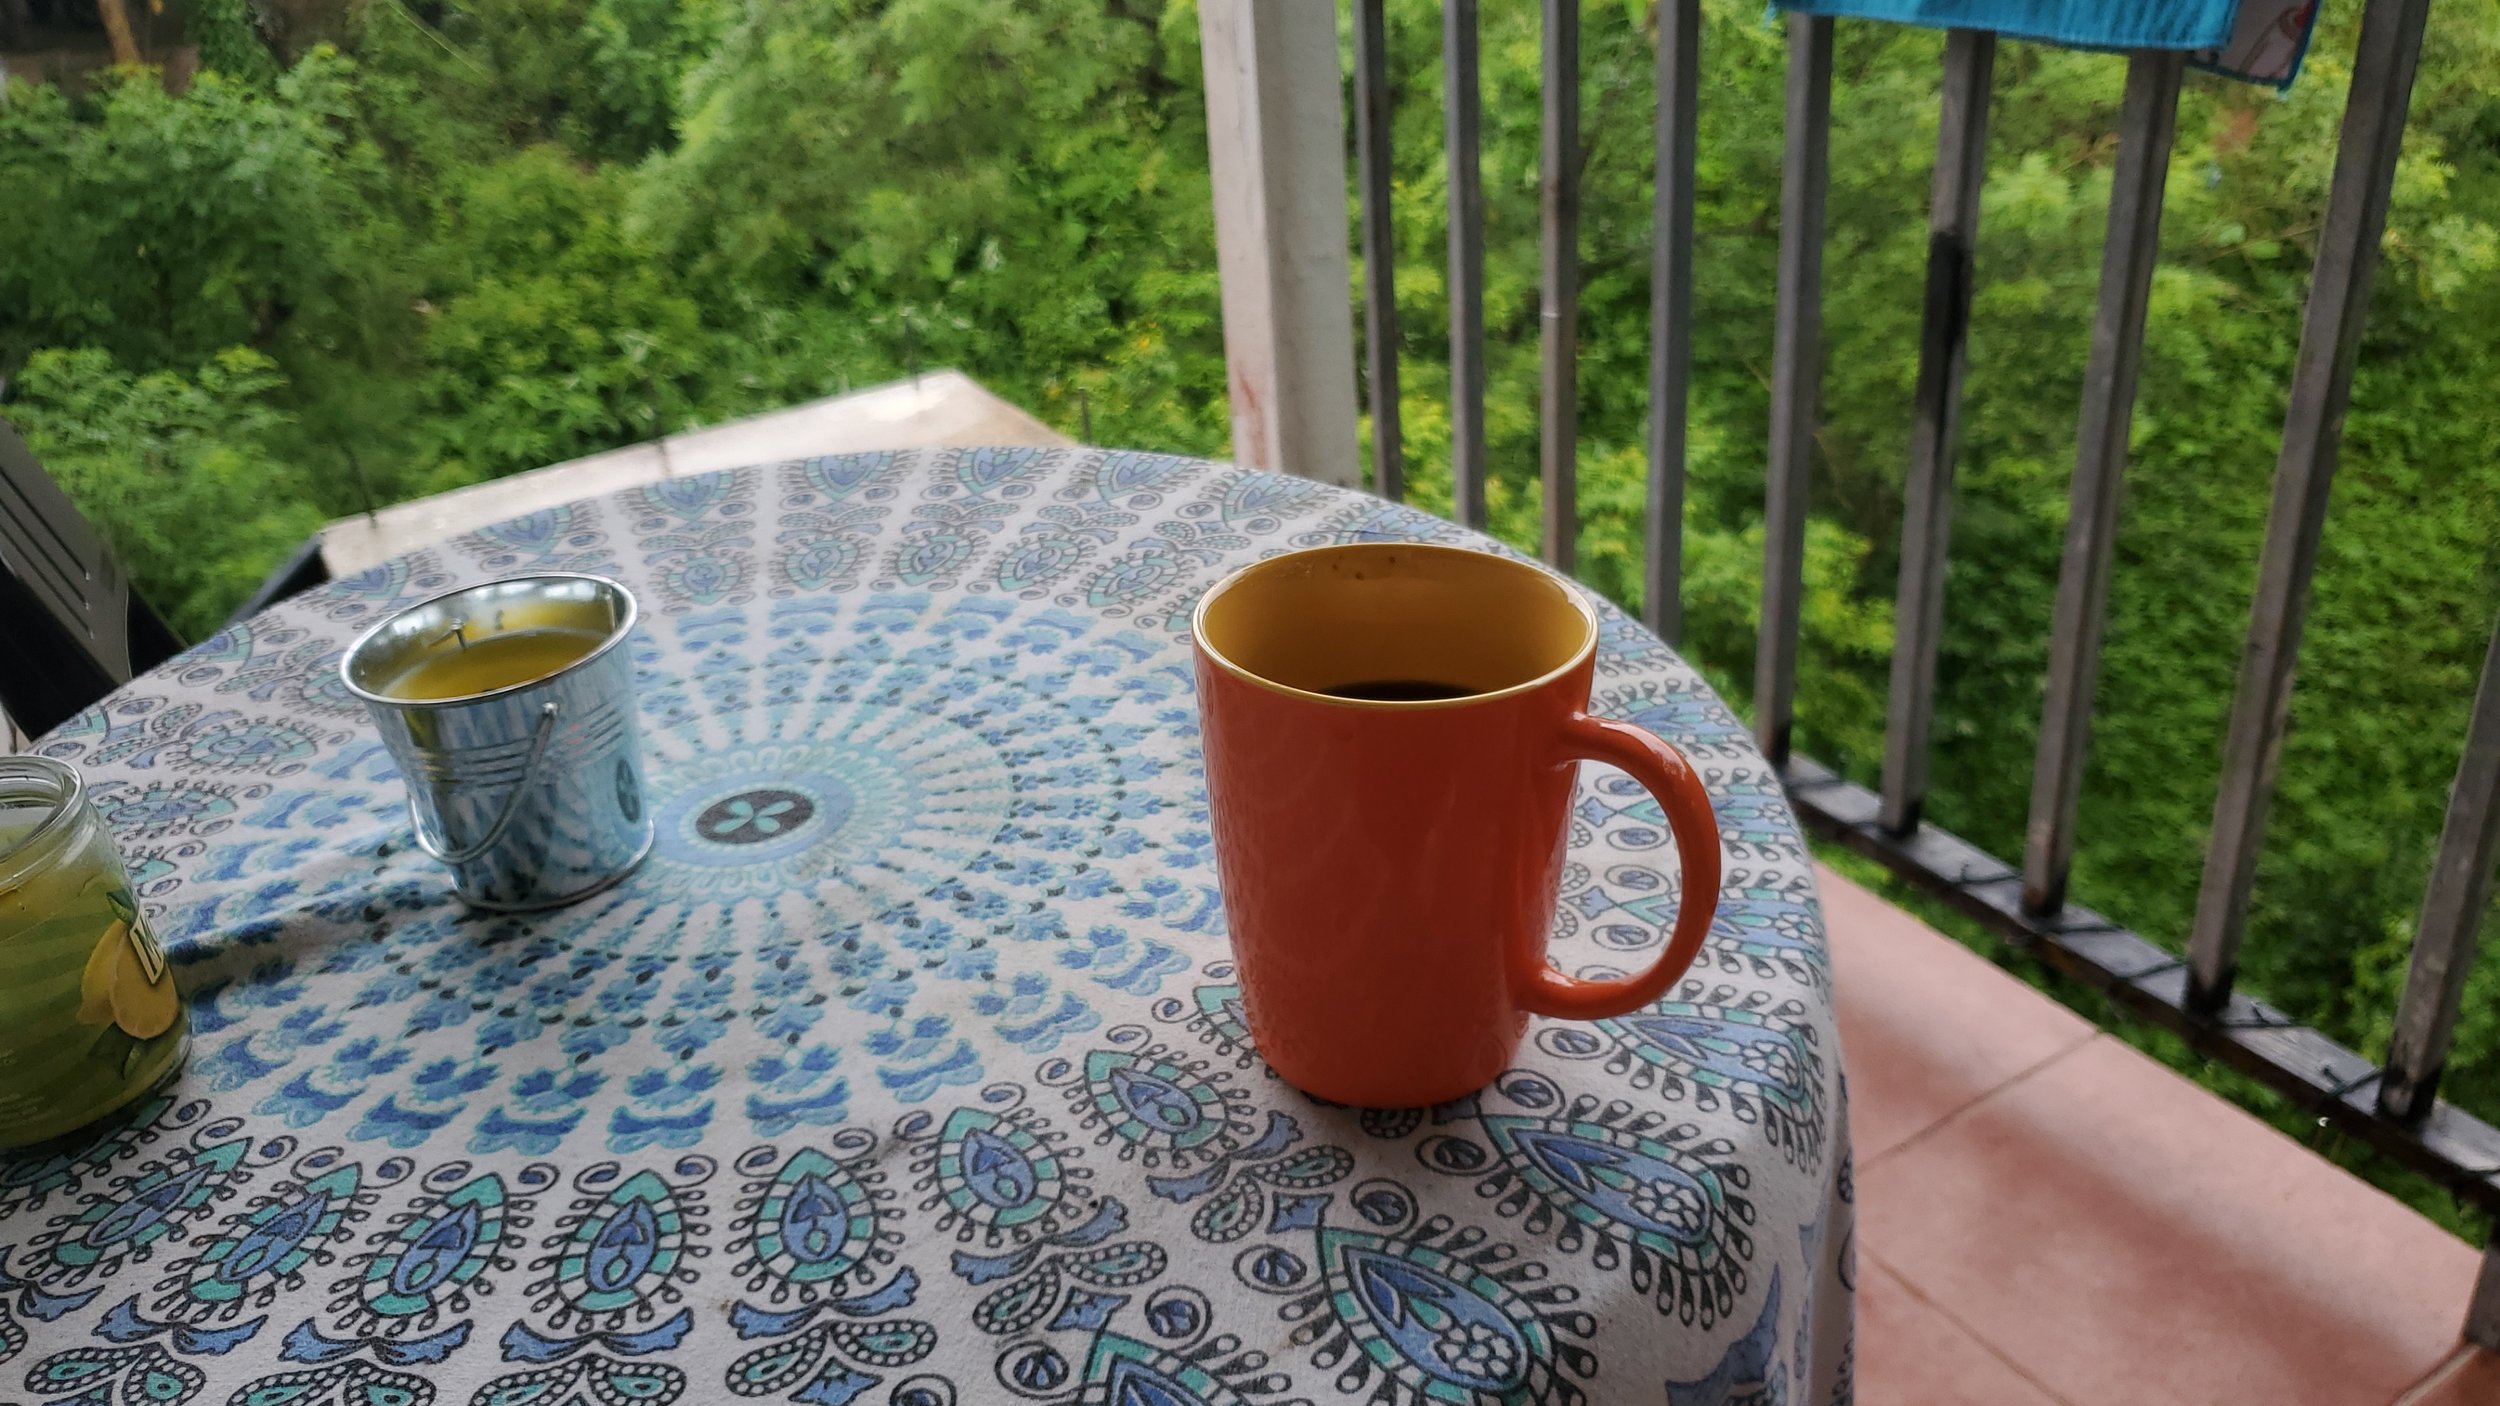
(60, 560)
(71, 629)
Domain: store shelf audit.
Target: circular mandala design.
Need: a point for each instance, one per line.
(874, 791)
(757, 816)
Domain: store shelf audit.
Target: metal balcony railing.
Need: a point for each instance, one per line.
(1275, 120)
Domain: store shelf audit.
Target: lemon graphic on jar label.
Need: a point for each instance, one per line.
(125, 981)
(95, 984)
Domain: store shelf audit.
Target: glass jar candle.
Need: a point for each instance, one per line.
(89, 1015)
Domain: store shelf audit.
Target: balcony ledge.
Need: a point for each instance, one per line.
(937, 408)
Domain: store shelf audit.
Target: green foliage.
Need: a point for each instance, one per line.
(1012, 187)
(562, 339)
(161, 228)
(229, 42)
(497, 233)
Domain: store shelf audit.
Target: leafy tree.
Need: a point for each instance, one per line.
(230, 42)
(556, 335)
(162, 228)
(1015, 188)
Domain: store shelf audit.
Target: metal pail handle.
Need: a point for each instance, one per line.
(511, 801)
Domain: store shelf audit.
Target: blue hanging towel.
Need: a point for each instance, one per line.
(2267, 44)
(2097, 24)
(2260, 41)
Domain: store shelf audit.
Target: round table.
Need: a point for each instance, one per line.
(910, 1067)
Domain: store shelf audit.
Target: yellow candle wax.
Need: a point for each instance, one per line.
(90, 1017)
(489, 663)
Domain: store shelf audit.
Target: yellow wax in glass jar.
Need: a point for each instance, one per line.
(490, 663)
(90, 1018)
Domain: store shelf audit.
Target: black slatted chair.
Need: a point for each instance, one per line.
(71, 628)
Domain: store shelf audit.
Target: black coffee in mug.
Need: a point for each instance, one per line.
(1399, 691)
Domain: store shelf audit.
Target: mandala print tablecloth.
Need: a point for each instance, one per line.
(910, 1067)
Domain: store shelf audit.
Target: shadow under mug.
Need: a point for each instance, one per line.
(1390, 860)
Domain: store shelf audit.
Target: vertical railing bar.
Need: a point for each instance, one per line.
(2321, 388)
(1463, 110)
(2452, 911)
(1671, 314)
(1559, 190)
(1796, 372)
(1936, 431)
(2148, 117)
(1380, 298)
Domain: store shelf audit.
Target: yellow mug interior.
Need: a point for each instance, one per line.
(1320, 620)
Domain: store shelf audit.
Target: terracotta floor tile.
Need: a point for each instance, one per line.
(1908, 1354)
(2128, 1238)
(1926, 1024)
(2472, 1382)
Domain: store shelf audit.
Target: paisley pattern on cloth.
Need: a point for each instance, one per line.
(911, 1068)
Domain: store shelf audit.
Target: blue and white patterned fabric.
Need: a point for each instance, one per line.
(910, 1069)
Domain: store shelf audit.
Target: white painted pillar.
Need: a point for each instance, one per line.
(1276, 147)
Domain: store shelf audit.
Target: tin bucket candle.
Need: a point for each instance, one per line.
(510, 709)
(89, 1015)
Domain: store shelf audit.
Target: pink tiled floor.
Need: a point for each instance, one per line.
(2047, 1218)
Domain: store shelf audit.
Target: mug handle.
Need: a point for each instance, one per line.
(1670, 778)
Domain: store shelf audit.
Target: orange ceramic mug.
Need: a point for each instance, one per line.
(1392, 732)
